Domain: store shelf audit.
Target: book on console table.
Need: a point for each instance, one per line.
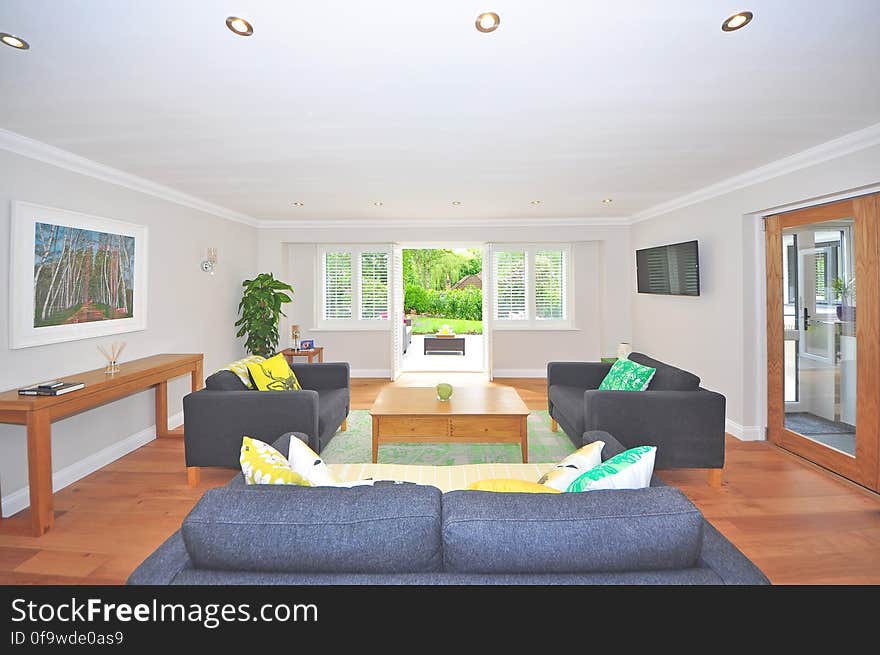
(54, 390)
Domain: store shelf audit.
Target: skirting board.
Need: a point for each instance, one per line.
(744, 432)
(19, 500)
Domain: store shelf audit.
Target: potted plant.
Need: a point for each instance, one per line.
(260, 310)
(846, 293)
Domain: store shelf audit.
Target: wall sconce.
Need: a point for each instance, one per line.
(210, 262)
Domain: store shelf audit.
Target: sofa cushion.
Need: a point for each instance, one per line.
(384, 529)
(224, 381)
(667, 378)
(634, 530)
(332, 409)
(569, 401)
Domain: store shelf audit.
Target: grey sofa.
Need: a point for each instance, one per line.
(684, 421)
(218, 416)
(413, 534)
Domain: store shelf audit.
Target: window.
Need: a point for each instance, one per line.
(531, 286)
(354, 287)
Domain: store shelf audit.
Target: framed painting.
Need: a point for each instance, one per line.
(74, 276)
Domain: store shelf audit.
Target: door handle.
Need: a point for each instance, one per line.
(806, 319)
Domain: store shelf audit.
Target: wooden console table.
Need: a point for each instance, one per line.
(38, 412)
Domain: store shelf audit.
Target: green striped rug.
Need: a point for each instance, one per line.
(354, 446)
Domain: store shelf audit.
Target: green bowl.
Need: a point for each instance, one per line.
(444, 391)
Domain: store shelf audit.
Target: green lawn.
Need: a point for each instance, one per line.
(430, 325)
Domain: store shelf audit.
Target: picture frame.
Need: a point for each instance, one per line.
(74, 276)
(306, 344)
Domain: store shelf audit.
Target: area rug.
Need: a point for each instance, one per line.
(354, 446)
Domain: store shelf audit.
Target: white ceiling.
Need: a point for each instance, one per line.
(340, 103)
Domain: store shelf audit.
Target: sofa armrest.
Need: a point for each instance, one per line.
(332, 375)
(163, 565)
(216, 421)
(726, 560)
(686, 426)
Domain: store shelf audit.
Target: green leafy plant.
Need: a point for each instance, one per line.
(844, 291)
(260, 310)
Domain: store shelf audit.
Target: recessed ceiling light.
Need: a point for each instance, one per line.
(456, 202)
(607, 201)
(13, 41)
(737, 21)
(298, 204)
(536, 202)
(378, 203)
(239, 25)
(488, 22)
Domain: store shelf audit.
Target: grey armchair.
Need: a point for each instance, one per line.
(684, 421)
(218, 416)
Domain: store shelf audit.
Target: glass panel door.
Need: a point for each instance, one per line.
(819, 315)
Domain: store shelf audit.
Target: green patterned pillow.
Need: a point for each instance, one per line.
(241, 370)
(626, 375)
(631, 469)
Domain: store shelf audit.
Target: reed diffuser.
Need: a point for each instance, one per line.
(112, 356)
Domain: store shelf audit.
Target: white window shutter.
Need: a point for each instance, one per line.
(550, 285)
(374, 286)
(509, 285)
(337, 285)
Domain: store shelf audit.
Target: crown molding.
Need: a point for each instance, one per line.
(844, 145)
(40, 151)
(336, 223)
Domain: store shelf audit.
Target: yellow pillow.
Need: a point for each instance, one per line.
(518, 486)
(573, 466)
(262, 464)
(272, 374)
(239, 367)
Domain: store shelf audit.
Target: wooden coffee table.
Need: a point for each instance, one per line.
(472, 415)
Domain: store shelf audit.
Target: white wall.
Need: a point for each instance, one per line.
(602, 284)
(188, 311)
(721, 335)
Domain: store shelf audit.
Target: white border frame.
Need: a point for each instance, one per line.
(22, 333)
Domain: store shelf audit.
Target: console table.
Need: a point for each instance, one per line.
(38, 412)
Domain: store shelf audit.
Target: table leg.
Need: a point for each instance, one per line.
(198, 376)
(162, 410)
(321, 356)
(375, 439)
(311, 357)
(39, 444)
(524, 438)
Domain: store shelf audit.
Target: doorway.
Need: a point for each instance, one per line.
(823, 335)
(444, 326)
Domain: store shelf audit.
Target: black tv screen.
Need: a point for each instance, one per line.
(672, 270)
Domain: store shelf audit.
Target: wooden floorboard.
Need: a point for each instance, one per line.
(801, 525)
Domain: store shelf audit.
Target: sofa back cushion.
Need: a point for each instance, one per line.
(667, 378)
(224, 380)
(601, 531)
(383, 529)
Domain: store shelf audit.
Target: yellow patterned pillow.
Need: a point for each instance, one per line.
(518, 486)
(274, 374)
(574, 466)
(240, 368)
(262, 464)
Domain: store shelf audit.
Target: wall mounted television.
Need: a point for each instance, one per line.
(672, 270)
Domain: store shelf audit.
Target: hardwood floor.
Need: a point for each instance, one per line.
(800, 524)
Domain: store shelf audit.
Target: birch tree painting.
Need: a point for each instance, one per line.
(81, 276)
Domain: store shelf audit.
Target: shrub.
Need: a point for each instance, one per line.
(465, 304)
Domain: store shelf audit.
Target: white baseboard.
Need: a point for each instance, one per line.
(19, 500)
(519, 373)
(744, 432)
(371, 373)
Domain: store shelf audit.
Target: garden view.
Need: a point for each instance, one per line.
(444, 287)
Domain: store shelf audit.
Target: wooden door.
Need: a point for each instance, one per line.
(823, 335)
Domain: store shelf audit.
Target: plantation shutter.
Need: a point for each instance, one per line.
(550, 283)
(374, 286)
(509, 274)
(337, 285)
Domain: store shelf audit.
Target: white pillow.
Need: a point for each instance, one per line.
(573, 466)
(631, 469)
(306, 462)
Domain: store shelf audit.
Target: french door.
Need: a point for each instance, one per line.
(823, 335)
